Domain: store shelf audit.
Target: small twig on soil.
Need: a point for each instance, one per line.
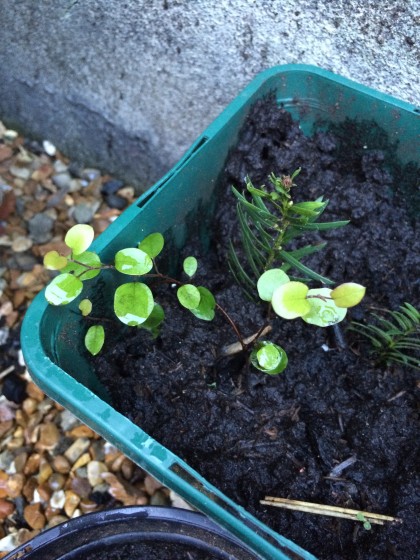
(6, 371)
(331, 511)
(338, 469)
(397, 396)
(236, 347)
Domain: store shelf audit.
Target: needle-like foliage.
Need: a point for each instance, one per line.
(394, 339)
(269, 220)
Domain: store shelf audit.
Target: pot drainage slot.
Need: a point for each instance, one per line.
(148, 195)
(193, 150)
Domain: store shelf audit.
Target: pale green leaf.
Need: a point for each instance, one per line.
(289, 300)
(206, 307)
(79, 238)
(54, 261)
(133, 303)
(152, 244)
(85, 307)
(323, 311)
(190, 266)
(94, 339)
(348, 294)
(269, 357)
(188, 296)
(63, 289)
(133, 262)
(269, 281)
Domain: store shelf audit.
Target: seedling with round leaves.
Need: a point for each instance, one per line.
(134, 302)
(266, 226)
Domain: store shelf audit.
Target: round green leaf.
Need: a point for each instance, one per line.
(269, 281)
(190, 266)
(188, 296)
(85, 307)
(269, 357)
(155, 318)
(152, 244)
(54, 261)
(134, 262)
(133, 303)
(348, 294)
(323, 311)
(63, 289)
(289, 300)
(205, 309)
(79, 238)
(94, 339)
(90, 260)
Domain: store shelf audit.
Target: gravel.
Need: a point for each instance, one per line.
(52, 467)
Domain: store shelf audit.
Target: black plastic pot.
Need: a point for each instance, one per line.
(135, 533)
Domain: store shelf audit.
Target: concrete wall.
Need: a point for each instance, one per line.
(128, 84)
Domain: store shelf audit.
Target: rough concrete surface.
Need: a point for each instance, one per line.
(128, 85)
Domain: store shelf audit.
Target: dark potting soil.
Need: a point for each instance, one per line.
(254, 435)
(149, 551)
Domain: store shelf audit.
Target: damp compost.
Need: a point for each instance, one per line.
(334, 428)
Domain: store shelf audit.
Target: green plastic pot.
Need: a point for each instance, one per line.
(52, 339)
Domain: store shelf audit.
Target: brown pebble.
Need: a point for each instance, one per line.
(3, 484)
(94, 472)
(124, 492)
(33, 423)
(81, 487)
(6, 509)
(51, 512)
(32, 464)
(33, 517)
(21, 418)
(15, 485)
(71, 503)
(48, 436)
(56, 520)
(81, 461)
(116, 464)
(5, 427)
(45, 471)
(87, 505)
(20, 461)
(56, 481)
(16, 442)
(97, 450)
(82, 431)
(111, 454)
(127, 469)
(29, 405)
(61, 464)
(35, 392)
(76, 449)
(29, 488)
(44, 491)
